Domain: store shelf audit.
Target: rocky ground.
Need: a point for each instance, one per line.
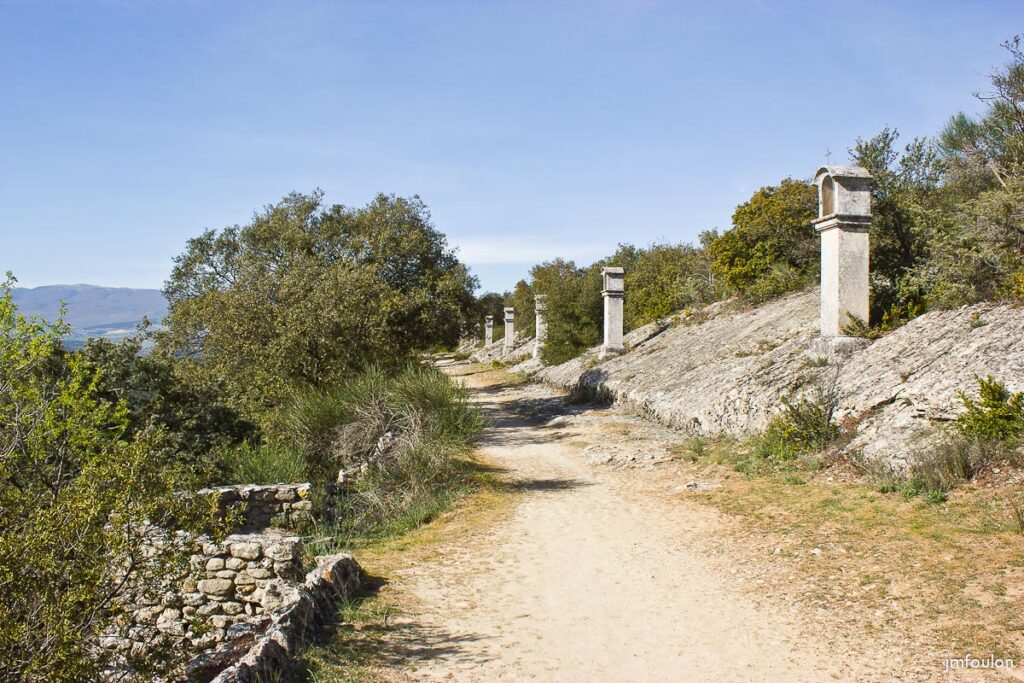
(725, 370)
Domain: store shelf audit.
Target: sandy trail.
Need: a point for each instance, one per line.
(587, 579)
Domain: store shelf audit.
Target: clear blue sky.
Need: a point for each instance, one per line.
(531, 129)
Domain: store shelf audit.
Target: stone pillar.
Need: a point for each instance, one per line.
(844, 217)
(613, 290)
(540, 305)
(488, 330)
(510, 329)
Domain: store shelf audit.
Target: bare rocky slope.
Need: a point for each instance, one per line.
(727, 370)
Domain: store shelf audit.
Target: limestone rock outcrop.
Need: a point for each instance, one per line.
(726, 369)
(522, 350)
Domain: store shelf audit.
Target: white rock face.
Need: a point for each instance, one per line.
(498, 351)
(729, 372)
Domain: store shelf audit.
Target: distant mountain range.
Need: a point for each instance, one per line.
(110, 312)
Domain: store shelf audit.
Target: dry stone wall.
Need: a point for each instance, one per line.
(232, 586)
(243, 576)
(260, 506)
(303, 610)
(241, 589)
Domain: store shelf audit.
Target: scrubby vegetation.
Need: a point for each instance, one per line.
(989, 430)
(288, 355)
(772, 247)
(402, 440)
(83, 497)
(946, 231)
(264, 463)
(379, 415)
(194, 418)
(793, 440)
(996, 414)
(661, 279)
(801, 437)
(305, 294)
(804, 428)
(398, 440)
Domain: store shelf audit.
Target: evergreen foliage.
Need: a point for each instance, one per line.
(305, 294)
(84, 505)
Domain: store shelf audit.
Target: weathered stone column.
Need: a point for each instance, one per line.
(540, 306)
(510, 329)
(488, 330)
(613, 290)
(844, 217)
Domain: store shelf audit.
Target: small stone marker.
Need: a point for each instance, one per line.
(488, 330)
(844, 217)
(540, 306)
(613, 290)
(510, 329)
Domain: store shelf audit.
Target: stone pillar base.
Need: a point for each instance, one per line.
(837, 346)
(610, 352)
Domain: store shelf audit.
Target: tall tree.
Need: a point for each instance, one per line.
(573, 307)
(906, 216)
(305, 293)
(989, 149)
(526, 310)
(772, 247)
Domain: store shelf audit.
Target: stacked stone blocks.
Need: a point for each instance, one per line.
(261, 506)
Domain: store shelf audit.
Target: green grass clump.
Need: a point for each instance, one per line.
(804, 428)
(400, 441)
(991, 428)
(933, 473)
(269, 463)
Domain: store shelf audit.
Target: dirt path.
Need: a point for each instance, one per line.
(587, 578)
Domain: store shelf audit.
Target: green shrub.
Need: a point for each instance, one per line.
(935, 472)
(794, 437)
(195, 419)
(310, 423)
(772, 247)
(81, 505)
(660, 280)
(695, 449)
(399, 438)
(270, 463)
(997, 414)
(898, 315)
(804, 427)
(526, 311)
(306, 293)
(663, 279)
(574, 308)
